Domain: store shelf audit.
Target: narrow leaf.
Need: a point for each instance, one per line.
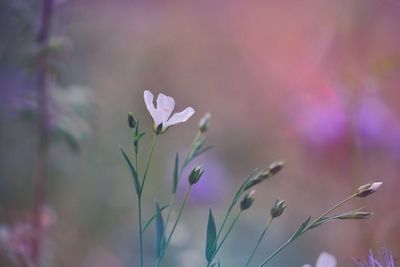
(211, 242)
(176, 174)
(160, 237)
(147, 224)
(301, 229)
(133, 172)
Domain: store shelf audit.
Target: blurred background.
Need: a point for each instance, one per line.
(314, 82)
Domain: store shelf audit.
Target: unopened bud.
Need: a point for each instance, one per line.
(204, 123)
(278, 208)
(368, 189)
(247, 201)
(131, 121)
(273, 168)
(357, 215)
(195, 175)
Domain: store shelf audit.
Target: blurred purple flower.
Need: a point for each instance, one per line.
(212, 186)
(385, 260)
(322, 123)
(376, 126)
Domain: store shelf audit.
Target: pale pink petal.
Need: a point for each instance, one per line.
(307, 265)
(165, 106)
(326, 260)
(148, 99)
(179, 117)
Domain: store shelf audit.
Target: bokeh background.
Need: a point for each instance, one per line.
(314, 82)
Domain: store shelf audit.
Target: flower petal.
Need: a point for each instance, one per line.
(165, 106)
(148, 99)
(326, 260)
(307, 265)
(179, 117)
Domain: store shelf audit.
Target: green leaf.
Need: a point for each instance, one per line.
(300, 231)
(133, 172)
(176, 174)
(211, 242)
(160, 236)
(152, 219)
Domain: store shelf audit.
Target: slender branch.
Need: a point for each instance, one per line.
(259, 241)
(182, 206)
(148, 162)
(226, 235)
(140, 229)
(308, 227)
(140, 197)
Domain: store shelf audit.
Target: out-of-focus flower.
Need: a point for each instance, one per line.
(376, 126)
(324, 260)
(384, 260)
(322, 123)
(162, 113)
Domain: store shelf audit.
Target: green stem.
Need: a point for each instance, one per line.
(330, 210)
(226, 236)
(226, 218)
(140, 197)
(179, 215)
(148, 163)
(140, 229)
(276, 252)
(308, 227)
(259, 241)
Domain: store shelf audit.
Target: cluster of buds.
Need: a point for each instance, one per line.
(272, 170)
(195, 175)
(247, 200)
(278, 208)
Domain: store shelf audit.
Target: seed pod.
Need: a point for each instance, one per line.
(247, 201)
(278, 208)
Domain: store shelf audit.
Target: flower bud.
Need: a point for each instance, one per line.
(356, 215)
(273, 169)
(368, 189)
(204, 123)
(195, 175)
(278, 208)
(158, 129)
(131, 121)
(247, 201)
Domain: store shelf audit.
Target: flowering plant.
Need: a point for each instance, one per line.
(242, 199)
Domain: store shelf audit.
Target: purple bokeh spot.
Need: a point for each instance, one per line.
(213, 185)
(322, 124)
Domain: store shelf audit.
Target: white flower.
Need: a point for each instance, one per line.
(324, 260)
(162, 113)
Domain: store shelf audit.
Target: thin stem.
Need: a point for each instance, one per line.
(329, 211)
(140, 197)
(308, 227)
(226, 235)
(233, 203)
(181, 208)
(225, 218)
(259, 241)
(140, 229)
(148, 163)
(276, 252)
